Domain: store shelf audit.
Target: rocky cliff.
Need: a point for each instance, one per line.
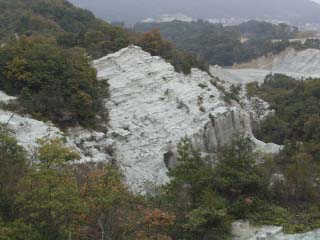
(153, 107)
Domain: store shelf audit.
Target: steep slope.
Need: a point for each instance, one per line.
(133, 11)
(151, 108)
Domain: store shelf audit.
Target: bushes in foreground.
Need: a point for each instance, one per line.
(54, 199)
(205, 199)
(295, 124)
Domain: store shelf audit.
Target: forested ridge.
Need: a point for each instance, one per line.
(72, 26)
(227, 45)
(53, 199)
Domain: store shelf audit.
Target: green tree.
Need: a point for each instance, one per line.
(13, 164)
(48, 198)
(239, 178)
(192, 172)
(53, 83)
(200, 210)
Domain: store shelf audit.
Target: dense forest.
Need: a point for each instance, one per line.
(294, 124)
(226, 45)
(297, 108)
(51, 199)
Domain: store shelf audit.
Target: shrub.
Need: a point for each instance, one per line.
(53, 83)
(13, 163)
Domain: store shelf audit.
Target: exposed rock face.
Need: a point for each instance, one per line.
(306, 62)
(245, 231)
(152, 107)
(92, 146)
(291, 62)
(27, 130)
(4, 98)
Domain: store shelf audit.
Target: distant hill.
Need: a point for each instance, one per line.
(224, 45)
(71, 26)
(295, 11)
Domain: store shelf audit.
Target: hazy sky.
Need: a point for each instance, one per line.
(294, 11)
(317, 1)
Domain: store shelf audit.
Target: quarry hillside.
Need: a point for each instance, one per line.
(152, 107)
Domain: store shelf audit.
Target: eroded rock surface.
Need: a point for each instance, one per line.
(244, 231)
(92, 146)
(152, 107)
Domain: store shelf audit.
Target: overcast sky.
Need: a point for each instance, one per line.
(129, 11)
(317, 1)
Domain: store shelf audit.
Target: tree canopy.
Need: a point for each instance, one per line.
(225, 45)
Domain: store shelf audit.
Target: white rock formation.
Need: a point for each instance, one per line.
(27, 130)
(152, 107)
(92, 146)
(297, 64)
(245, 231)
(304, 63)
(4, 98)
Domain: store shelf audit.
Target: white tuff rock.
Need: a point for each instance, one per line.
(244, 231)
(92, 146)
(27, 130)
(4, 98)
(152, 107)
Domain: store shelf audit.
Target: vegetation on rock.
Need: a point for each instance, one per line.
(52, 83)
(45, 54)
(52, 199)
(295, 124)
